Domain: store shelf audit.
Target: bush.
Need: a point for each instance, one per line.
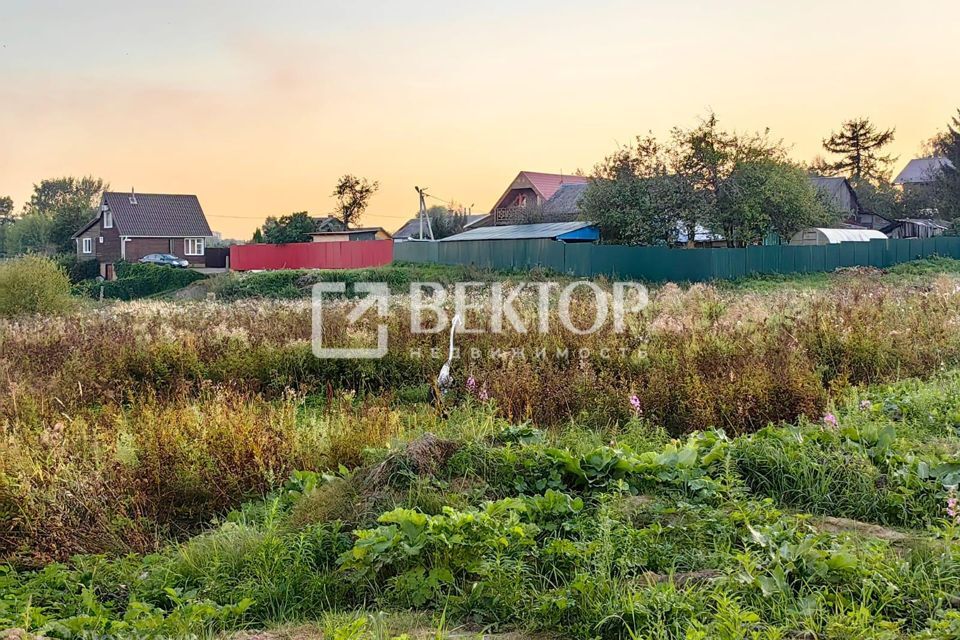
(135, 280)
(33, 284)
(78, 270)
(290, 284)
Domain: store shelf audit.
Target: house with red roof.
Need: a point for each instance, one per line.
(523, 200)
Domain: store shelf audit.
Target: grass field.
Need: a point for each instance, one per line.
(759, 459)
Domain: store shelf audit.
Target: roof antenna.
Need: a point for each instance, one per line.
(133, 196)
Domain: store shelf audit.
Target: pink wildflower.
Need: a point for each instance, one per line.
(830, 420)
(483, 395)
(635, 403)
(952, 509)
(471, 384)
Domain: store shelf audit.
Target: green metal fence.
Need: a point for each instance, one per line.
(662, 264)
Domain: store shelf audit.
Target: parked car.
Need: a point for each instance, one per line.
(164, 259)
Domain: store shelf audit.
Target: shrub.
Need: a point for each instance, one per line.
(136, 281)
(78, 270)
(33, 284)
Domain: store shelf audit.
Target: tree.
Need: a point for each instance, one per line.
(6, 219)
(859, 144)
(627, 212)
(66, 204)
(947, 186)
(295, 227)
(353, 195)
(257, 236)
(30, 233)
(676, 183)
(445, 222)
(766, 195)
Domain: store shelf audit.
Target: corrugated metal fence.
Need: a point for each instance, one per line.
(312, 255)
(662, 264)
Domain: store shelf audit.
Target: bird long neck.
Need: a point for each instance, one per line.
(453, 327)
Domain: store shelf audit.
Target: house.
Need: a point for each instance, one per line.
(560, 231)
(351, 235)
(525, 197)
(917, 228)
(839, 193)
(821, 236)
(564, 204)
(328, 223)
(411, 228)
(922, 172)
(132, 225)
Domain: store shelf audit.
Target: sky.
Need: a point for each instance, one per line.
(258, 107)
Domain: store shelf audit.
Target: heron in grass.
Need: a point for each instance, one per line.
(445, 380)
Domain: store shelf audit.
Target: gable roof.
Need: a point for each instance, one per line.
(351, 232)
(545, 184)
(565, 201)
(157, 215)
(838, 190)
(328, 223)
(922, 170)
(411, 228)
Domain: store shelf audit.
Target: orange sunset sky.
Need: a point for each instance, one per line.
(258, 107)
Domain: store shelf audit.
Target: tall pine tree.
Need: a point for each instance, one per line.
(860, 146)
(948, 180)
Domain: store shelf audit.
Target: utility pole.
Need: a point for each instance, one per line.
(423, 213)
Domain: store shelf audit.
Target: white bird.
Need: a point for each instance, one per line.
(445, 380)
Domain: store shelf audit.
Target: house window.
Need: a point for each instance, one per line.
(107, 219)
(88, 245)
(193, 246)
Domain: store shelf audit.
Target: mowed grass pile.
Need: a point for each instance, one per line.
(473, 520)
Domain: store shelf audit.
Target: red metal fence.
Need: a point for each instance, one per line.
(312, 255)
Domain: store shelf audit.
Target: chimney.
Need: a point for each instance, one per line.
(133, 196)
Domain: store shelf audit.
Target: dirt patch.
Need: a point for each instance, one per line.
(422, 457)
(685, 579)
(845, 525)
(304, 632)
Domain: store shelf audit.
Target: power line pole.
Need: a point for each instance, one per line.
(423, 213)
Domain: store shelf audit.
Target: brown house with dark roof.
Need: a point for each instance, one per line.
(132, 225)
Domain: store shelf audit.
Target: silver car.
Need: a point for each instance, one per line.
(164, 259)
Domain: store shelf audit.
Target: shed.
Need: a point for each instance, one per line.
(562, 231)
(351, 235)
(821, 236)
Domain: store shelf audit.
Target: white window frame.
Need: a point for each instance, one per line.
(197, 245)
(107, 219)
(87, 245)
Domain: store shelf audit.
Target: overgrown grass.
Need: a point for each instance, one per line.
(173, 470)
(496, 526)
(296, 283)
(694, 358)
